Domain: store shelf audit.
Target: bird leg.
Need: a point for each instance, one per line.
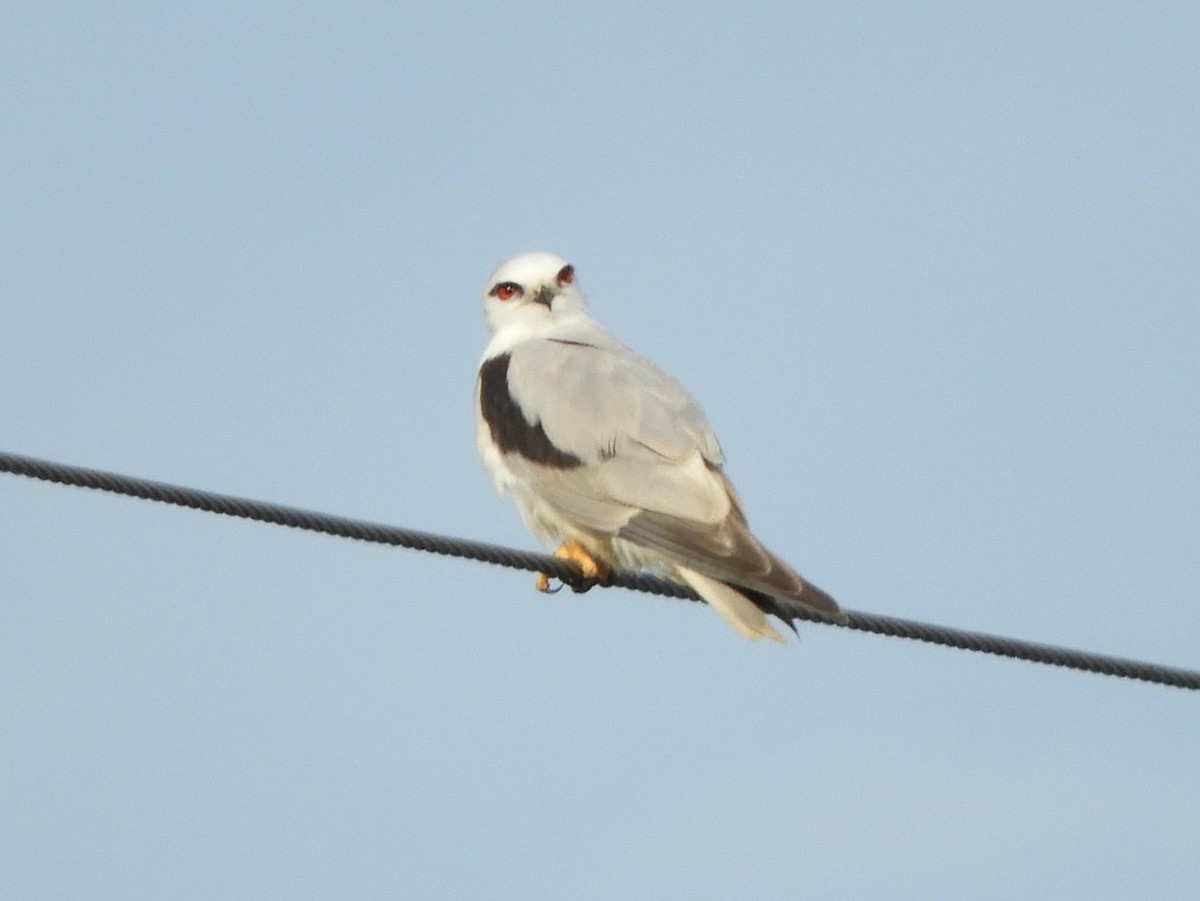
(591, 569)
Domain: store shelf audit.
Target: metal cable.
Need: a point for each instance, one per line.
(502, 556)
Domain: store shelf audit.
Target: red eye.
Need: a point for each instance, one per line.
(566, 274)
(506, 290)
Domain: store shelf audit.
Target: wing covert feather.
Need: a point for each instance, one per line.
(644, 441)
(602, 401)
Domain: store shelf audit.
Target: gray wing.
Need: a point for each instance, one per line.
(600, 401)
(649, 466)
(620, 449)
(642, 441)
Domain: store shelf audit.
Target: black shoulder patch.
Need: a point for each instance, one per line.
(509, 427)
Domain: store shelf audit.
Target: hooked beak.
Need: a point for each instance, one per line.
(545, 295)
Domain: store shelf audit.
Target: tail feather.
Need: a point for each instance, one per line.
(727, 554)
(804, 598)
(737, 609)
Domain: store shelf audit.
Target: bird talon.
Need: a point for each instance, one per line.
(591, 570)
(542, 584)
(589, 567)
(583, 585)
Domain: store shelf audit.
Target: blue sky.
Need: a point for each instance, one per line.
(931, 270)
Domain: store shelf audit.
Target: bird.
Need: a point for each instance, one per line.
(610, 461)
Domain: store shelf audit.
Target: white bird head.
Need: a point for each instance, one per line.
(531, 291)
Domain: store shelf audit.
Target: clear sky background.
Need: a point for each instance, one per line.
(933, 272)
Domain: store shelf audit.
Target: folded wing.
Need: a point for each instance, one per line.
(649, 469)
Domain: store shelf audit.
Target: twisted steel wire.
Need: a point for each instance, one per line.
(378, 533)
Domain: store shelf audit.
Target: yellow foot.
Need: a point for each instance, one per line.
(591, 569)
